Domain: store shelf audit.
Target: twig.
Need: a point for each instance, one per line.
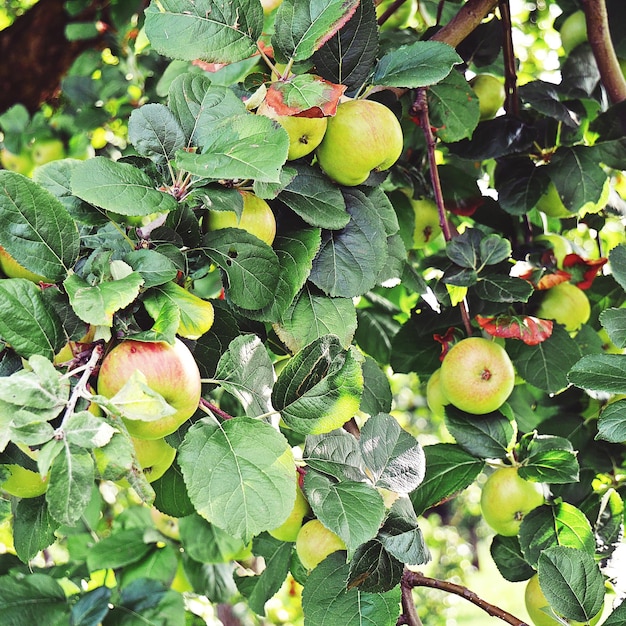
(206, 406)
(389, 11)
(464, 22)
(511, 104)
(409, 615)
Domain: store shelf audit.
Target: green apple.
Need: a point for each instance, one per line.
(289, 529)
(12, 269)
(23, 483)
(566, 304)
(305, 133)
(435, 397)
(427, 225)
(69, 350)
(257, 218)
(477, 375)
(551, 204)
(490, 93)
(170, 370)
(399, 18)
(46, 150)
(270, 5)
(506, 499)
(538, 607)
(315, 542)
(362, 137)
(573, 31)
(165, 524)
(559, 245)
(21, 163)
(154, 456)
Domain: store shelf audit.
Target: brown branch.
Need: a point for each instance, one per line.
(465, 21)
(409, 615)
(416, 579)
(391, 9)
(599, 37)
(511, 104)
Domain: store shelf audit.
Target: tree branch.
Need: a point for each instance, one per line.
(464, 22)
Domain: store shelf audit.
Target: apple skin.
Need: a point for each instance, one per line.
(551, 204)
(289, 529)
(315, 542)
(46, 150)
(12, 269)
(427, 225)
(535, 601)
(490, 93)
(435, 397)
(257, 218)
(170, 370)
(270, 5)
(566, 304)
(154, 455)
(363, 136)
(21, 163)
(66, 353)
(506, 499)
(477, 375)
(305, 133)
(573, 31)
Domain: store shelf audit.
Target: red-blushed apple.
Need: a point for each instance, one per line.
(315, 542)
(305, 133)
(170, 370)
(477, 375)
(363, 136)
(566, 304)
(288, 530)
(257, 218)
(506, 499)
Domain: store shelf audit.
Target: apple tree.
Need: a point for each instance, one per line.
(230, 237)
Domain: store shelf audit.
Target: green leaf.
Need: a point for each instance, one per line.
(206, 543)
(549, 459)
(26, 322)
(617, 259)
(375, 331)
(560, 524)
(498, 288)
(33, 528)
(508, 557)
(240, 475)
(245, 370)
(600, 372)
(617, 617)
(146, 601)
(251, 266)
(336, 454)
(96, 304)
(448, 469)
(612, 422)
(320, 387)
(92, 607)
(26, 599)
(155, 133)
(223, 32)
(419, 64)
(614, 322)
(377, 395)
(35, 228)
(572, 583)
(394, 458)
(119, 549)
(312, 315)
(302, 28)
(119, 187)
(155, 268)
(373, 569)
(326, 601)
(85, 430)
(240, 147)
(313, 196)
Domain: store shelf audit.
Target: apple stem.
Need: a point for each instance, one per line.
(412, 579)
(209, 407)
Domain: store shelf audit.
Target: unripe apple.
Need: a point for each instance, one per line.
(427, 225)
(23, 483)
(67, 352)
(566, 304)
(363, 136)
(170, 370)
(257, 218)
(270, 5)
(21, 163)
(305, 133)
(46, 150)
(477, 375)
(435, 397)
(12, 269)
(154, 456)
(573, 31)
(315, 542)
(490, 93)
(506, 499)
(551, 204)
(289, 529)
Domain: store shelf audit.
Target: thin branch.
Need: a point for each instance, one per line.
(391, 9)
(471, 14)
(511, 104)
(206, 406)
(409, 615)
(416, 579)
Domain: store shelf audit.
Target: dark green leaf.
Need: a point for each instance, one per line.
(206, 543)
(508, 557)
(377, 396)
(91, 608)
(614, 321)
(336, 453)
(155, 133)
(33, 527)
(600, 372)
(401, 535)
(373, 569)
(498, 288)
(119, 549)
(25, 599)
(612, 422)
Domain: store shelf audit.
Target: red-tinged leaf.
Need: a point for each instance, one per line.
(304, 95)
(466, 206)
(208, 67)
(530, 330)
(447, 340)
(583, 271)
(549, 280)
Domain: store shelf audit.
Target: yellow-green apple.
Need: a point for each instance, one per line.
(305, 133)
(490, 93)
(427, 225)
(257, 218)
(315, 542)
(573, 31)
(46, 150)
(13, 269)
(538, 607)
(559, 245)
(552, 205)
(21, 163)
(506, 499)
(154, 456)
(435, 397)
(288, 530)
(477, 375)
(23, 483)
(169, 369)
(270, 5)
(363, 136)
(69, 350)
(566, 304)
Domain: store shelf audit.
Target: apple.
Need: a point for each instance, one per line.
(573, 31)
(23, 483)
(490, 93)
(288, 530)
(315, 542)
(537, 605)
(363, 136)
(257, 218)
(477, 375)
(305, 133)
(165, 524)
(506, 499)
(154, 456)
(270, 5)
(170, 370)
(551, 204)
(399, 18)
(12, 269)
(435, 398)
(21, 163)
(559, 245)
(71, 348)
(427, 225)
(566, 304)
(46, 150)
